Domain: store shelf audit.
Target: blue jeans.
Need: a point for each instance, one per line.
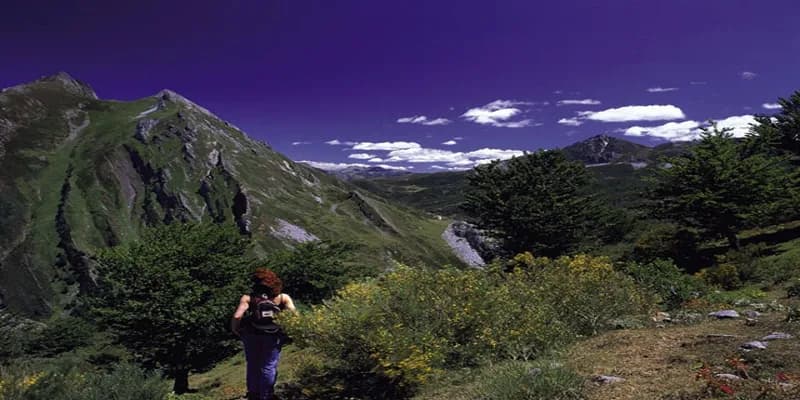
(262, 353)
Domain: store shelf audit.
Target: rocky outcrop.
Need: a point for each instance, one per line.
(461, 247)
(158, 199)
(143, 128)
(287, 230)
(77, 259)
(370, 212)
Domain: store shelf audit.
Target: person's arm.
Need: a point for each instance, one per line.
(236, 320)
(288, 303)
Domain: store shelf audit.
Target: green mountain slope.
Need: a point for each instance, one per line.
(78, 173)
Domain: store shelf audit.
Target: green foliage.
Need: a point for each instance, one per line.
(411, 324)
(793, 290)
(314, 271)
(719, 188)
(667, 241)
(168, 297)
(741, 296)
(782, 130)
(532, 203)
(517, 380)
(60, 335)
(673, 286)
(68, 380)
(725, 276)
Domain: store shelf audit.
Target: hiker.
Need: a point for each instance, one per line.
(261, 336)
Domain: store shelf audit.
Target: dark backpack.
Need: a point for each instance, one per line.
(263, 312)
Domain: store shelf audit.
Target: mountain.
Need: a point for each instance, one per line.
(604, 149)
(78, 173)
(354, 172)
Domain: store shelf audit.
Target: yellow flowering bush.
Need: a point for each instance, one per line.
(412, 323)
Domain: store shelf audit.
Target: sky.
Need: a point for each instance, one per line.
(424, 85)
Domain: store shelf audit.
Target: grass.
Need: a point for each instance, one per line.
(659, 361)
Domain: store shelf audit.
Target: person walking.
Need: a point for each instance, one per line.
(254, 322)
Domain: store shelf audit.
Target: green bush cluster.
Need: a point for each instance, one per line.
(70, 380)
(411, 324)
(672, 286)
(519, 380)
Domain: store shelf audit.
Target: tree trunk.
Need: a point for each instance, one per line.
(181, 382)
(733, 240)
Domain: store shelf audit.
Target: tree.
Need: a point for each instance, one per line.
(721, 187)
(313, 271)
(782, 130)
(532, 203)
(168, 296)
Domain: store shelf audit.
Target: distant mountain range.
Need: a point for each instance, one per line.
(78, 173)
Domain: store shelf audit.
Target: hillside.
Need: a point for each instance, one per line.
(604, 149)
(78, 173)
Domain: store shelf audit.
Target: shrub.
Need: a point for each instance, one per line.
(517, 380)
(667, 241)
(409, 325)
(746, 260)
(793, 290)
(662, 277)
(59, 335)
(68, 380)
(725, 276)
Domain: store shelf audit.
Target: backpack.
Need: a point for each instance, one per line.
(263, 312)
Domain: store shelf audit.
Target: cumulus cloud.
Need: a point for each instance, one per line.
(691, 130)
(423, 120)
(329, 166)
(582, 102)
(337, 142)
(498, 113)
(570, 121)
(385, 146)
(361, 156)
(771, 106)
(300, 143)
(635, 113)
(450, 143)
(659, 89)
(748, 75)
(451, 158)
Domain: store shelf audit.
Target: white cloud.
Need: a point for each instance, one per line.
(386, 146)
(423, 120)
(375, 160)
(361, 156)
(570, 121)
(458, 138)
(690, 130)
(329, 166)
(698, 83)
(673, 131)
(439, 167)
(300, 143)
(747, 75)
(337, 142)
(494, 154)
(450, 143)
(583, 102)
(450, 158)
(771, 106)
(498, 113)
(635, 113)
(661, 89)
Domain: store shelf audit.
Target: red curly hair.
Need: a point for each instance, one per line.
(265, 277)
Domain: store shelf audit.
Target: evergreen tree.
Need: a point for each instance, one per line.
(168, 297)
(782, 130)
(532, 203)
(721, 186)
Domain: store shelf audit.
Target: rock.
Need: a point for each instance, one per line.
(724, 314)
(688, 317)
(752, 314)
(751, 322)
(535, 372)
(662, 317)
(754, 345)
(607, 379)
(143, 128)
(777, 336)
(759, 307)
(728, 377)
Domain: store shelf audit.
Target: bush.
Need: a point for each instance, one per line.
(411, 324)
(68, 380)
(793, 290)
(662, 277)
(725, 276)
(668, 241)
(746, 260)
(529, 381)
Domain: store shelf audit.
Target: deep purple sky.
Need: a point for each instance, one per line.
(311, 71)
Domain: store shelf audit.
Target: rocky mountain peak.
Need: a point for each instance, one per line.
(71, 84)
(603, 148)
(170, 95)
